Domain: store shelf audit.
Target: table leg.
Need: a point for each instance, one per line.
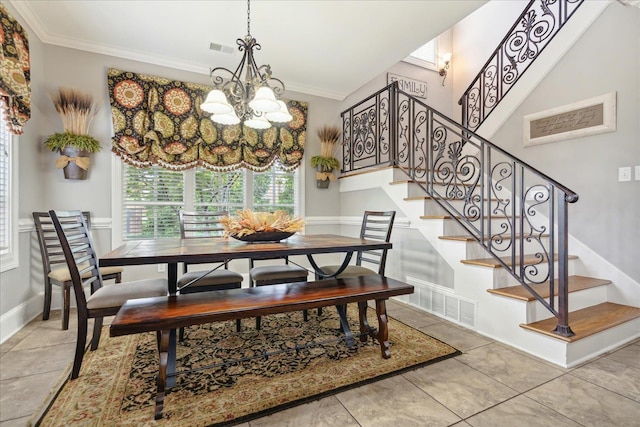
(163, 352)
(172, 278)
(383, 332)
(321, 274)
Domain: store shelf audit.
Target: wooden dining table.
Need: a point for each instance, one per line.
(173, 251)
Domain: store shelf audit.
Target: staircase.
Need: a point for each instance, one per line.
(487, 299)
(500, 224)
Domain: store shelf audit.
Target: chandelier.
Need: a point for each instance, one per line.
(250, 98)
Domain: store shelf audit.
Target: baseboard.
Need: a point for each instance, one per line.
(17, 318)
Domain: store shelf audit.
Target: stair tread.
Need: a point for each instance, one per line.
(467, 238)
(576, 283)
(425, 197)
(588, 321)
(406, 181)
(491, 262)
(457, 217)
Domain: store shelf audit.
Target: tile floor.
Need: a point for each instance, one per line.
(488, 385)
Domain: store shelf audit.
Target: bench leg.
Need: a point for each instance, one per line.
(383, 332)
(344, 323)
(163, 352)
(365, 328)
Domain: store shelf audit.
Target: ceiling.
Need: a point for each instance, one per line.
(327, 48)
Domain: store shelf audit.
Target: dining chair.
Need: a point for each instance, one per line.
(202, 225)
(55, 268)
(376, 225)
(104, 300)
(274, 275)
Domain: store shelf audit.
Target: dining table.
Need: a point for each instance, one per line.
(209, 250)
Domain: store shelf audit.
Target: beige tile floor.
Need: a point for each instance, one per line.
(488, 385)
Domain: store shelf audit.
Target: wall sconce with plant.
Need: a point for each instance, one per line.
(326, 162)
(76, 110)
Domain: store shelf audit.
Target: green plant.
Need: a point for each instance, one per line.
(58, 141)
(327, 163)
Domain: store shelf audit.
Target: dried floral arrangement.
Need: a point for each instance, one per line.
(247, 222)
(329, 137)
(77, 110)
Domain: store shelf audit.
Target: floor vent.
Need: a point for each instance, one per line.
(442, 302)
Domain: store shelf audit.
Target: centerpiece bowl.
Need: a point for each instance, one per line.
(264, 236)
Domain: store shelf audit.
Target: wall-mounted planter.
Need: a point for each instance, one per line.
(324, 176)
(74, 163)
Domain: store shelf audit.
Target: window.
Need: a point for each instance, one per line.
(152, 197)
(8, 199)
(425, 56)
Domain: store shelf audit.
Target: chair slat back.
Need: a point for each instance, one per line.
(50, 249)
(376, 225)
(201, 224)
(79, 253)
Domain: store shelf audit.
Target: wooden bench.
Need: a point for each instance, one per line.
(163, 314)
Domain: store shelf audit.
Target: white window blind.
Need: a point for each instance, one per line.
(5, 187)
(216, 191)
(275, 189)
(425, 56)
(152, 197)
(151, 200)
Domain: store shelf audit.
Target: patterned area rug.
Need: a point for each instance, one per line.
(286, 363)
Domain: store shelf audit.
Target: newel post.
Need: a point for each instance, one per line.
(563, 328)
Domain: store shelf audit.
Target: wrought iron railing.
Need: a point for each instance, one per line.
(527, 38)
(515, 212)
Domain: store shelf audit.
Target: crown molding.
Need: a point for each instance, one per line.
(38, 27)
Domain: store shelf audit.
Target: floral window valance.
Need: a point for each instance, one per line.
(159, 121)
(15, 73)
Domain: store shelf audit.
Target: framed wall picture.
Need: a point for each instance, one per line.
(413, 87)
(588, 117)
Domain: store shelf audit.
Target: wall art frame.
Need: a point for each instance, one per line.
(583, 118)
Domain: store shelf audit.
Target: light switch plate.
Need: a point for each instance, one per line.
(624, 174)
(637, 173)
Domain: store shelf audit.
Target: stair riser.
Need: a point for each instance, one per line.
(577, 301)
(474, 250)
(502, 278)
(453, 228)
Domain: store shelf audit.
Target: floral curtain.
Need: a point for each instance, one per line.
(15, 73)
(159, 121)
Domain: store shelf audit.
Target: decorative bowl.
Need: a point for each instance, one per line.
(267, 236)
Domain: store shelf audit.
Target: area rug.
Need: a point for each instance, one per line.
(233, 377)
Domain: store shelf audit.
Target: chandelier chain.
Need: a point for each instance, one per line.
(249, 17)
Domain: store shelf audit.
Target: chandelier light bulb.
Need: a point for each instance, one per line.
(216, 103)
(264, 101)
(226, 119)
(257, 122)
(280, 116)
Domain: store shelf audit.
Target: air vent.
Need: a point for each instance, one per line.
(442, 302)
(221, 48)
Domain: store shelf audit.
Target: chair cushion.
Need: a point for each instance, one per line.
(271, 272)
(62, 274)
(350, 271)
(218, 277)
(115, 295)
